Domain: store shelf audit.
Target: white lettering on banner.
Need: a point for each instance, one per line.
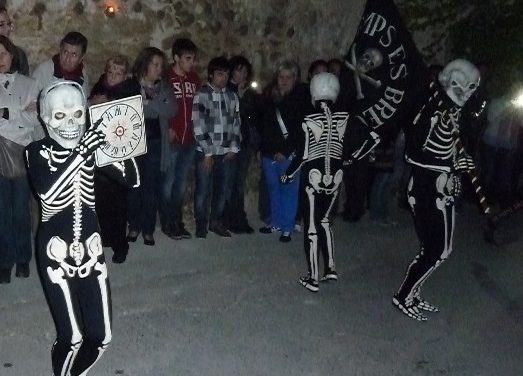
(375, 23)
(378, 27)
(383, 109)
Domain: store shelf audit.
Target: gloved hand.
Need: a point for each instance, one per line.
(90, 141)
(453, 186)
(464, 162)
(286, 179)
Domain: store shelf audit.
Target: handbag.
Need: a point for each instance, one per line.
(12, 163)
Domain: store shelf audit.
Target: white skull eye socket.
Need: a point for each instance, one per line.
(78, 114)
(454, 83)
(59, 115)
(472, 86)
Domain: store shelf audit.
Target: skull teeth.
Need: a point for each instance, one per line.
(69, 135)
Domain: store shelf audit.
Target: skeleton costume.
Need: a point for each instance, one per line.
(322, 167)
(431, 150)
(69, 251)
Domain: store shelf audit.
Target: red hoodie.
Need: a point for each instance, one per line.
(184, 89)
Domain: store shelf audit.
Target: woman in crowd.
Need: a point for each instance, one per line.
(281, 132)
(111, 196)
(159, 105)
(19, 126)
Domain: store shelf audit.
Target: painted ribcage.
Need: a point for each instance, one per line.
(321, 149)
(330, 143)
(81, 189)
(441, 139)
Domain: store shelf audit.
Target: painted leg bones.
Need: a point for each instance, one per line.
(70, 255)
(434, 220)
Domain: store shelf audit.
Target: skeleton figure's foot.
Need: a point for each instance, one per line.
(410, 310)
(330, 275)
(424, 305)
(310, 283)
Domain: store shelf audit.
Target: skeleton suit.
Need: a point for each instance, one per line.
(69, 251)
(437, 162)
(321, 170)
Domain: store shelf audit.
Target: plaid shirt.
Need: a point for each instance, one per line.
(216, 120)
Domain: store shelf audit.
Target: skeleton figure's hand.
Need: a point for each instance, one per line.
(90, 141)
(464, 162)
(453, 186)
(286, 179)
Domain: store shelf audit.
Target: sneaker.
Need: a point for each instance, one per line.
(285, 237)
(174, 232)
(220, 230)
(235, 229)
(297, 227)
(22, 270)
(148, 240)
(309, 283)
(166, 229)
(269, 229)
(330, 275)
(5, 276)
(241, 229)
(247, 229)
(201, 233)
(183, 232)
(119, 258)
(132, 236)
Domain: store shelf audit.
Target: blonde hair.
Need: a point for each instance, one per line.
(120, 60)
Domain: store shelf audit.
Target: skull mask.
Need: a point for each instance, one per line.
(324, 86)
(371, 59)
(62, 109)
(460, 79)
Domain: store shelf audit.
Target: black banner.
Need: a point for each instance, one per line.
(388, 70)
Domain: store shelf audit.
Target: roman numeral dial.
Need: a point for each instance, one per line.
(124, 130)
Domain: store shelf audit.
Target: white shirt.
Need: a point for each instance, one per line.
(19, 94)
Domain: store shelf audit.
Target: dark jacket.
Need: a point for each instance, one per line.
(127, 88)
(250, 116)
(293, 108)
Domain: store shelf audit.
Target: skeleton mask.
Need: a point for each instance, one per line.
(371, 59)
(324, 86)
(62, 108)
(460, 79)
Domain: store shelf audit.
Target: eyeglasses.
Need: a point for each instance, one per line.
(8, 24)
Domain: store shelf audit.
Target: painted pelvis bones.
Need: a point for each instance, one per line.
(325, 183)
(58, 250)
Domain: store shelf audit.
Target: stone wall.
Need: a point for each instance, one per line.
(265, 31)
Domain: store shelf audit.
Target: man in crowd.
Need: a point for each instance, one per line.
(216, 122)
(179, 156)
(67, 64)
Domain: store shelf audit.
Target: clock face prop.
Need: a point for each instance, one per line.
(124, 129)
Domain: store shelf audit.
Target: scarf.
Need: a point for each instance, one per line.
(76, 75)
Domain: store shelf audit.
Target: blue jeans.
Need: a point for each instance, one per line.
(379, 196)
(220, 176)
(283, 197)
(143, 201)
(15, 222)
(174, 185)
